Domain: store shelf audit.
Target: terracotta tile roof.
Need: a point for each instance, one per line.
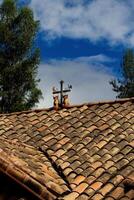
(88, 149)
(31, 169)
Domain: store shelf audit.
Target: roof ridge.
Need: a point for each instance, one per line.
(102, 102)
(71, 106)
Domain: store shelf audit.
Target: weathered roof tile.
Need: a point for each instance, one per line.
(82, 152)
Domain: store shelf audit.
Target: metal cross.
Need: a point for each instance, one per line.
(62, 91)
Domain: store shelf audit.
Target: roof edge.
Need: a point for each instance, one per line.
(24, 179)
(72, 106)
(102, 102)
(17, 177)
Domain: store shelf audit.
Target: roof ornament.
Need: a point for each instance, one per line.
(64, 101)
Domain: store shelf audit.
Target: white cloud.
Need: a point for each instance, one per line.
(88, 75)
(99, 19)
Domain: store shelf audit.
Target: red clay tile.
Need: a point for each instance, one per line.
(81, 188)
(96, 164)
(97, 197)
(117, 193)
(106, 189)
(101, 144)
(95, 186)
(79, 179)
(71, 196)
(89, 145)
(42, 128)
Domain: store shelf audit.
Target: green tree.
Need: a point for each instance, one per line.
(19, 58)
(125, 85)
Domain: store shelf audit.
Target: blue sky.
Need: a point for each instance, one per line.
(82, 42)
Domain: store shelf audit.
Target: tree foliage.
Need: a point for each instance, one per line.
(125, 86)
(19, 58)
